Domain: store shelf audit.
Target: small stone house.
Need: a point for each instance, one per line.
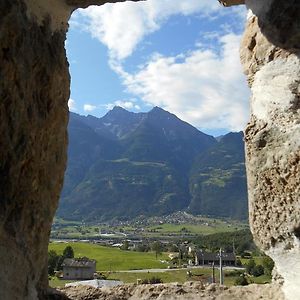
(79, 268)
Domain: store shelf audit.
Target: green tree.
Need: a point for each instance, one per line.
(250, 266)
(157, 248)
(59, 263)
(52, 262)
(68, 252)
(268, 265)
(125, 245)
(258, 270)
(172, 247)
(142, 248)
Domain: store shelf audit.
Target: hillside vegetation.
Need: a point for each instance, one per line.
(125, 165)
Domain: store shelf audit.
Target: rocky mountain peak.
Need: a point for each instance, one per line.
(152, 164)
(116, 113)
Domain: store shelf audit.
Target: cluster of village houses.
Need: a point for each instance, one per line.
(85, 268)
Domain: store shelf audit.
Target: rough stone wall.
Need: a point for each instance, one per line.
(175, 291)
(34, 89)
(270, 55)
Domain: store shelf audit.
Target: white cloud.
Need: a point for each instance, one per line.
(89, 107)
(121, 26)
(72, 105)
(124, 104)
(203, 87)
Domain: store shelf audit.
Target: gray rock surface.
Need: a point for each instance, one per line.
(175, 291)
(270, 55)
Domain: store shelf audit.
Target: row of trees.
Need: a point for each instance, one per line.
(239, 241)
(55, 261)
(156, 247)
(256, 270)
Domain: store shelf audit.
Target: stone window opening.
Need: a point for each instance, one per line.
(34, 89)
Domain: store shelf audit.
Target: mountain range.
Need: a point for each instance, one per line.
(127, 164)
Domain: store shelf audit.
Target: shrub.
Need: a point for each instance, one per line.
(142, 248)
(234, 273)
(125, 245)
(250, 266)
(100, 275)
(152, 280)
(258, 270)
(242, 280)
(238, 262)
(268, 265)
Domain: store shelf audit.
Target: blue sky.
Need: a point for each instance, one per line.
(181, 55)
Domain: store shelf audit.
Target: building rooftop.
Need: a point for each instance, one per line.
(82, 262)
(215, 256)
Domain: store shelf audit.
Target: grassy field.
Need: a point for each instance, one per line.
(130, 277)
(112, 259)
(150, 231)
(172, 276)
(65, 222)
(79, 231)
(258, 260)
(193, 229)
(168, 276)
(58, 283)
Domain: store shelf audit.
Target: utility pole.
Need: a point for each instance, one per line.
(213, 273)
(233, 248)
(221, 267)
